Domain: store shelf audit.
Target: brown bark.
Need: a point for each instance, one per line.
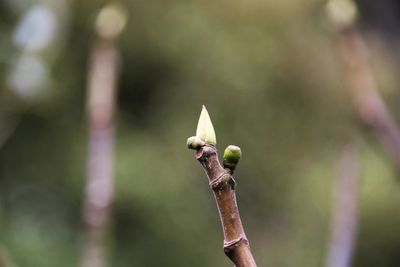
(236, 245)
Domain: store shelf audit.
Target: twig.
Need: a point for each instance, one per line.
(344, 225)
(236, 244)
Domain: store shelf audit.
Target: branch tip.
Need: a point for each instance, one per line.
(222, 183)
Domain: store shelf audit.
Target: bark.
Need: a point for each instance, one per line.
(222, 183)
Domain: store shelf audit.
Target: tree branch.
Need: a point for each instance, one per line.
(368, 103)
(236, 245)
(345, 217)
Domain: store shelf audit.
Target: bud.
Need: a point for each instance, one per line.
(111, 21)
(232, 155)
(194, 142)
(341, 13)
(205, 129)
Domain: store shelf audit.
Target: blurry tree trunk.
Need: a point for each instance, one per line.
(99, 191)
(344, 224)
(103, 73)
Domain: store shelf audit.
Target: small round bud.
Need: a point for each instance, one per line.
(341, 13)
(232, 155)
(111, 21)
(195, 142)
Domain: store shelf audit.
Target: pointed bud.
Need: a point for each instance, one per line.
(194, 142)
(205, 129)
(232, 155)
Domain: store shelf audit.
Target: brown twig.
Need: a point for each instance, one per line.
(236, 245)
(344, 226)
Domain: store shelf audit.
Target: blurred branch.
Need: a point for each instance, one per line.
(344, 225)
(5, 259)
(368, 103)
(99, 191)
(103, 72)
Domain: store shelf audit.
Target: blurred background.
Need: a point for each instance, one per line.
(272, 78)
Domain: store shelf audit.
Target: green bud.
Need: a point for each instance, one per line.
(205, 129)
(232, 155)
(194, 142)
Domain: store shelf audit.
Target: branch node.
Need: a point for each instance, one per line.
(204, 152)
(229, 246)
(226, 179)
